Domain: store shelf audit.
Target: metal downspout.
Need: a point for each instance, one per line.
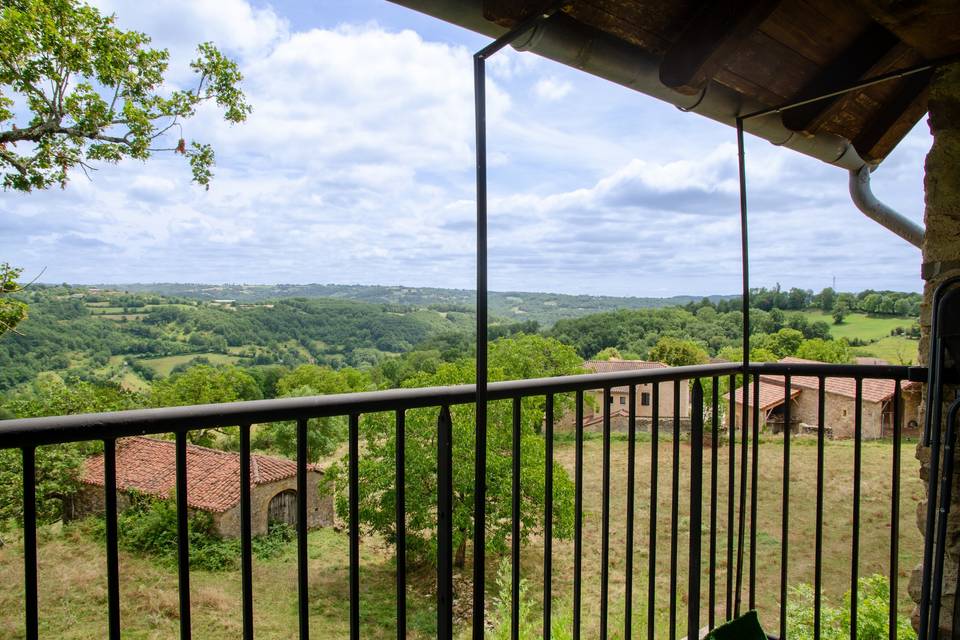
(879, 212)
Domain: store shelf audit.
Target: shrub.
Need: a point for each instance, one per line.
(873, 597)
(149, 527)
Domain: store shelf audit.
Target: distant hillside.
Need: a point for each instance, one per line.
(545, 308)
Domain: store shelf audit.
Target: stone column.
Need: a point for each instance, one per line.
(941, 260)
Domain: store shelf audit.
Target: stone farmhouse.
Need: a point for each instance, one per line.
(147, 466)
(839, 405)
(619, 399)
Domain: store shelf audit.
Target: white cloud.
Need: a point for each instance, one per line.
(552, 89)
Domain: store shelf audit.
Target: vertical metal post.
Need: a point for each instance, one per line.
(110, 515)
(696, 512)
(183, 536)
(31, 619)
(246, 537)
(515, 525)
(354, 524)
(578, 518)
(714, 444)
(401, 524)
(631, 480)
(818, 534)
(785, 510)
(895, 515)
(548, 519)
(445, 525)
(654, 478)
(605, 517)
(731, 490)
(674, 510)
(480, 452)
(855, 543)
(754, 479)
(303, 603)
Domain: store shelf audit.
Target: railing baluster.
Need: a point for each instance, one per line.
(354, 508)
(895, 515)
(696, 512)
(578, 518)
(515, 528)
(548, 517)
(674, 509)
(754, 479)
(110, 517)
(303, 602)
(31, 621)
(741, 517)
(731, 488)
(818, 543)
(444, 525)
(714, 444)
(605, 518)
(183, 536)
(400, 489)
(857, 463)
(631, 470)
(246, 535)
(785, 521)
(654, 469)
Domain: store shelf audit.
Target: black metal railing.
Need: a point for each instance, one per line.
(741, 522)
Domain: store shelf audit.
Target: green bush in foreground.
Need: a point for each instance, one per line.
(873, 598)
(149, 527)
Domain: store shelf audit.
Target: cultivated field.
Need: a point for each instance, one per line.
(73, 586)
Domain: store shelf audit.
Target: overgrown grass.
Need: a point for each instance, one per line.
(860, 325)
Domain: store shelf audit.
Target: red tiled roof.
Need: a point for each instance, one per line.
(610, 366)
(148, 465)
(771, 395)
(873, 390)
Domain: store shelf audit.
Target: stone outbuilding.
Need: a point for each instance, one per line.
(147, 466)
(839, 404)
(620, 398)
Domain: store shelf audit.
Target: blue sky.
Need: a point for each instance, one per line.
(356, 166)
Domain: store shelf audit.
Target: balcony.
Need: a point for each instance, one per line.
(661, 519)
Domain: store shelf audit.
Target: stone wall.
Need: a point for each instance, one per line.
(319, 506)
(941, 260)
(89, 500)
(839, 414)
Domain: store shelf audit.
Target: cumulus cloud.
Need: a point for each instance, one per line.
(552, 89)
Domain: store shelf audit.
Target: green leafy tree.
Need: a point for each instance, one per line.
(323, 434)
(203, 384)
(837, 351)
(510, 358)
(826, 299)
(840, 311)
(57, 466)
(12, 311)
(784, 342)
(76, 90)
(610, 353)
(873, 598)
(678, 353)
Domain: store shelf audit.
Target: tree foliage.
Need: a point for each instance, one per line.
(12, 311)
(512, 357)
(75, 89)
(678, 353)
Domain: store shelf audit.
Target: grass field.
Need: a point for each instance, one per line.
(163, 366)
(859, 325)
(893, 349)
(73, 588)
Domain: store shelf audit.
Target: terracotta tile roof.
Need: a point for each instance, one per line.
(873, 390)
(771, 395)
(148, 465)
(610, 366)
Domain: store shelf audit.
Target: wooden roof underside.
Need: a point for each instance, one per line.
(776, 51)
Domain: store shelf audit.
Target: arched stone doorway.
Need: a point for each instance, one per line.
(283, 508)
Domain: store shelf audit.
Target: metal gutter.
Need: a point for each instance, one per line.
(871, 207)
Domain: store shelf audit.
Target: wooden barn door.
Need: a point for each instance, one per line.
(283, 508)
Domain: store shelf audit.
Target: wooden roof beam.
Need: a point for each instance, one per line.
(895, 119)
(709, 39)
(865, 51)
